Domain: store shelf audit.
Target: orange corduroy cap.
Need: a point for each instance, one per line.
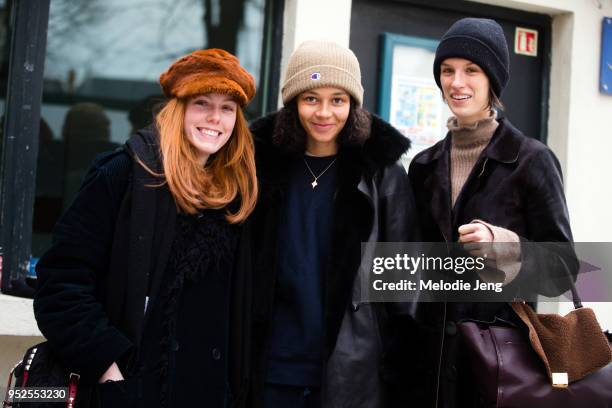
(205, 71)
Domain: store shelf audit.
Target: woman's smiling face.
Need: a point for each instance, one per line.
(323, 113)
(209, 122)
(466, 89)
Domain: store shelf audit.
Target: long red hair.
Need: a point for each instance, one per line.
(227, 175)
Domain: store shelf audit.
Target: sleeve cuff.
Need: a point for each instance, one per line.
(113, 352)
(507, 248)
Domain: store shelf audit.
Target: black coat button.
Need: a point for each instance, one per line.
(216, 354)
(175, 345)
(451, 328)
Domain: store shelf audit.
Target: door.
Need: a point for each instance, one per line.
(526, 95)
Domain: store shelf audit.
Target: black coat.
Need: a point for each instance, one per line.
(109, 253)
(373, 201)
(515, 184)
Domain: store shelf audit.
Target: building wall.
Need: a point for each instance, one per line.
(580, 132)
(579, 121)
(18, 332)
(12, 349)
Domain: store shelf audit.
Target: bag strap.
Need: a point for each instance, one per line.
(575, 296)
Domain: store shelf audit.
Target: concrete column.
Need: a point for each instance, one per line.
(314, 20)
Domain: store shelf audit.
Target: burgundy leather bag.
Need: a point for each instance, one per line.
(509, 373)
(517, 366)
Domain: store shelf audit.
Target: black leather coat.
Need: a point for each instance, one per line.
(373, 202)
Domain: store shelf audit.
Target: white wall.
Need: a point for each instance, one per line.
(12, 349)
(313, 20)
(580, 131)
(17, 317)
(18, 332)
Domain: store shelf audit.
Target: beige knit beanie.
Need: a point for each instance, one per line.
(318, 64)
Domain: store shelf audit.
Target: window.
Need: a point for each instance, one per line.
(102, 60)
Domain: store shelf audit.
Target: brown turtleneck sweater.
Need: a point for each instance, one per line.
(468, 142)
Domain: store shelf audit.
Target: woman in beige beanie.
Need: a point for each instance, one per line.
(329, 180)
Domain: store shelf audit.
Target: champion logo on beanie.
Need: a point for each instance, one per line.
(315, 76)
(481, 41)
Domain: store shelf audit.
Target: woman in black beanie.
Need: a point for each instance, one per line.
(485, 182)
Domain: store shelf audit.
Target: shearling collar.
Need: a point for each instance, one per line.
(384, 144)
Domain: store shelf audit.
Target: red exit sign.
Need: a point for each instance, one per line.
(526, 41)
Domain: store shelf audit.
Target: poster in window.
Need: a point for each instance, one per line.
(408, 95)
(416, 111)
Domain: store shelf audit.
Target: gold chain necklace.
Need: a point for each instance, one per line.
(314, 182)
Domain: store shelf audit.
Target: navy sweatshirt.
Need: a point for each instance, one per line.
(295, 355)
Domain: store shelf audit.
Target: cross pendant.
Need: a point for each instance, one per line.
(314, 184)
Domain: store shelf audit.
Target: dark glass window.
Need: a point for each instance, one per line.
(100, 84)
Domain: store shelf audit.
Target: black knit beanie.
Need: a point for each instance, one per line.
(481, 41)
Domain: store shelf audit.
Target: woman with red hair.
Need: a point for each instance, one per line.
(138, 293)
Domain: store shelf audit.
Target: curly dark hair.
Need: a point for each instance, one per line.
(290, 136)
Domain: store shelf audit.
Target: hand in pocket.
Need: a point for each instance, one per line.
(119, 394)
